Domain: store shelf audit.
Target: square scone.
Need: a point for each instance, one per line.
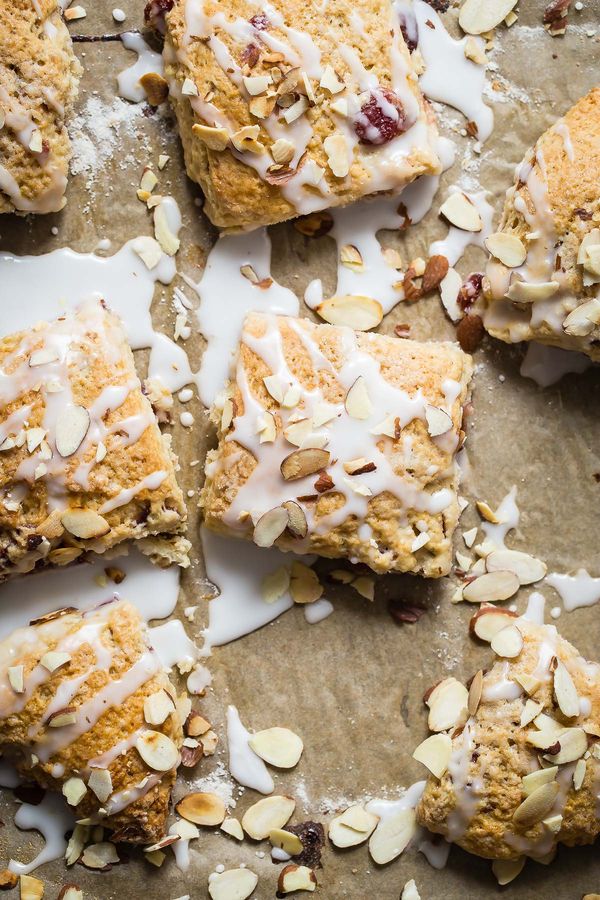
(83, 465)
(285, 108)
(543, 279)
(39, 76)
(340, 443)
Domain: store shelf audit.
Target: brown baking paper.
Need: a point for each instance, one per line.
(352, 685)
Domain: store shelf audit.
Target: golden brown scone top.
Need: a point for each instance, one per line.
(538, 719)
(553, 210)
(81, 696)
(381, 488)
(239, 73)
(38, 83)
(83, 465)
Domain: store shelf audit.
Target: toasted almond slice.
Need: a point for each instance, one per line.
(537, 805)
(100, 856)
(530, 711)
(214, 138)
(54, 659)
(527, 568)
(460, 211)
(296, 878)
(62, 717)
(365, 586)
(508, 248)
(506, 870)
(491, 587)
(508, 642)
(270, 526)
(447, 704)
(392, 836)
(272, 812)
(583, 319)
(535, 780)
(438, 420)
(304, 462)
(100, 783)
(74, 790)
(565, 691)
(354, 826)
(475, 691)
(297, 523)
(353, 310)
(158, 707)
(246, 140)
(232, 827)
(358, 403)
(573, 744)
(579, 774)
(157, 750)
(84, 523)
(72, 425)
(202, 808)
(232, 884)
(479, 16)
(16, 678)
(277, 746)
(486, 512)
(522, 292)
(31, 888)
(473, 51)
(434, 752)
(351, 257)
(488, 620)
(305, 586)
(287, 841)
(275, 584)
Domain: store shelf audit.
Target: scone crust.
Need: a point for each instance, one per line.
(565, 173)
(121, 637)
(500, 756)
(130, 481)
(422, 463)
(39, 76)
(237, 197)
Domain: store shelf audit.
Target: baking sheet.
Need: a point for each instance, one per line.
(352, 685)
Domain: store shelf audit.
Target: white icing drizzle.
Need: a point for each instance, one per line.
(172, 645)
(150, 482)
(457, 240)
(546, 365)
(449, 76)
(246, 767)
(468, 790)
(562, 129)
(535, 608)
(148, 61)
(53, 819)
(508, 514)
(576, 591)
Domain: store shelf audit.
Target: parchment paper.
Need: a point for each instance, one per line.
(352, 685)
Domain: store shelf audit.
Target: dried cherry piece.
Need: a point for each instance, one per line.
(381, 118)
(260, 22)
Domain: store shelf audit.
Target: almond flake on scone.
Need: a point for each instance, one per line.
(340, 443)
(83, 465)
(75, 689)
(287, 108)
(39, 75)
(517, 769)
(543, 278)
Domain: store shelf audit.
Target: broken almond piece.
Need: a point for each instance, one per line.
(305, 586)
(461, 212)
(488, 620)
(31, 888)
(214, 138)
(296, 878)
(434, 752)
(277, 746)
(353, 310)
(156, 88)
(232, 827)
(506, 870)
(358, 403)
(232, 884)
(565, 691)
(287, 841)
(202, 808)
(508, 248)
(264, 816)
(438, 420)
(354, 826)
(84, 523)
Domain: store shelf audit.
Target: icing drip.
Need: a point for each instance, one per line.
(246, 767)
(148, 61)
(508, 515)
(547, 365)
(457, 240)
(576, 590)
(467, 790)
(53, 819)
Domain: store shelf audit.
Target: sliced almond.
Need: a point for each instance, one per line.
(277, 746)
(330, 82)
(354, 826)
(256, 84)
(296, 878)
(475, 691)
(54, 659)
(156, 88)
(157, 750)
(304, 462)
(491, 587)
(473, 51)
(275, 584)
(352, 310)
(167, 239)
(232, 884)
(583, 319)
(148, 249)
(72, 425)
(508, 248)
(246, 140)
(297, 432)
(287, 841)
(573, 744)
(297, 523)
(579, 774)
(214, 138)
(305, 586)
(282, 151)
(100, 856)
(434, 752)
(447, 704)
(232, 827)
(438, 420)
(537, 805)
(351, 257)
(158, 707)
(460, 211)
(358, 403)
(392, 836)
(529, 683)
(16, 678)
(479, 16)
(202, 808)
(270, 526)
(506, 870)
(31, 888)
(488, 620)
(100, 783)
(527, 568)
(84, 523)
(74, 790)
(565, 691)
(522, 292)
(62, 717)
(272, 812)
(535, 780)
(266, 427)
(508, 643)
(338, 159)
(530, 711)
(43, 357)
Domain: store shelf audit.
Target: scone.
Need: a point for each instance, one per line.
(39, 75)
(83, 465)
(519, 768)
(543, 279)
(285, 108)
(87, 708)
(340, 443)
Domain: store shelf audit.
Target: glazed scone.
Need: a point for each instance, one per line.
(523, 767)
(285, 108)
(546, 286)
(39, 75)
(83, 465)
(76, 716)
(357, 433)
